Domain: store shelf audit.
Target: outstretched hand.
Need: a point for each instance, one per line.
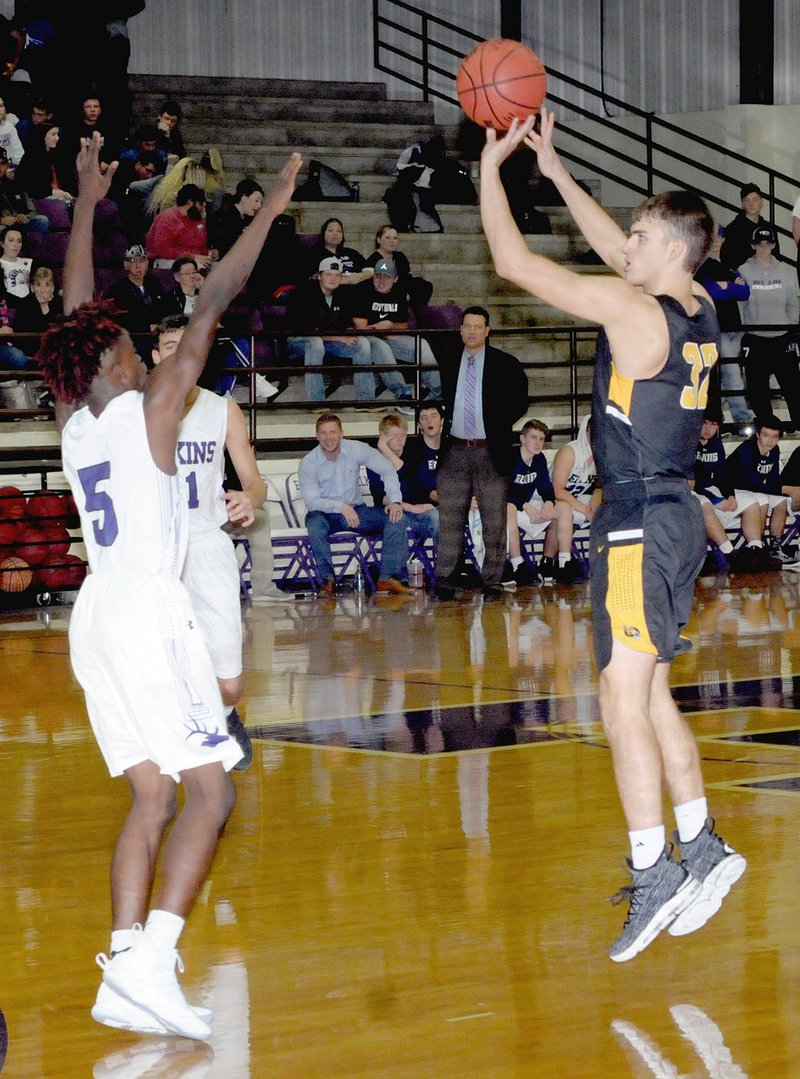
(497, 150)
(282, 190)
(541, 142)
(94, 175)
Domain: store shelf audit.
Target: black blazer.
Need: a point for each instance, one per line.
(504, 394)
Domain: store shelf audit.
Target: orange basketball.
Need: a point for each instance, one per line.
(15, 575)
(501, 79)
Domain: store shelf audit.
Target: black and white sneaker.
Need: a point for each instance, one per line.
(236, 729)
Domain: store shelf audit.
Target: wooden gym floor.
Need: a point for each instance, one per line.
(414, 882)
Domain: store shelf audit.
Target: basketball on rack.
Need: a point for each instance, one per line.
(15, 575)
(498, 80)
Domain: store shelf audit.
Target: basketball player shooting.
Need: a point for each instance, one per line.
(655, 351)
(135, 644)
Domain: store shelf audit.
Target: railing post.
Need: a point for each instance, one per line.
(375, 34)
(573, 380)
(649, 150)
(425, 87)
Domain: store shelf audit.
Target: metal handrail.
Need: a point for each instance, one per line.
(383, 49)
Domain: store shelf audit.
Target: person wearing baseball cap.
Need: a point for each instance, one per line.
(138, 295)
(736, 248)
(772, 302)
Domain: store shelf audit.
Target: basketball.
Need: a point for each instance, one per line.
(12, 504)
(15, 575)
(498, 80)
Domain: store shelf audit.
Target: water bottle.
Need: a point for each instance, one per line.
(359, 584)
(416, 573)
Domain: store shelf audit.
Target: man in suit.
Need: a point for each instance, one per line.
(485, 392)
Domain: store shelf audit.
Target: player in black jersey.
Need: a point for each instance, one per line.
(648, 539)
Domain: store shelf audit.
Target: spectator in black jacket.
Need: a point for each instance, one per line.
(737, 248)
(138, 295)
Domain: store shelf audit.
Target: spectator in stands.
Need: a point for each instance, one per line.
(181, 230)
(181, 299)
(281, 265)
(331, 242)
(207, 173)
(534, 509)
(9, 139)
(168, 123)
(41, 113)
(36, 311)
(381, 304)
(755, 465)
(726, 287)
(320, 307)
(772, 301)
(111, 61)
(328, 480)
(411, 200)
(143, 140)
(227, 226)
(422, 516)
(16, 266)
(12, 357)
(417, 289)
(737, 247)
(45, 171)
(790, 480)
(31, 68)
(129, 188)
(138, 295)
(575, 476)
(485, 392)
(725, 508)
(90, 120)
(16, 207)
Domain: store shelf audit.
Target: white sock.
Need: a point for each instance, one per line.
(563, 558)
(228, 711)
(164, 928)
(516, 562)
(121, 940)
(647, 845)
(691, 818)
(755, 543)
(726, 547)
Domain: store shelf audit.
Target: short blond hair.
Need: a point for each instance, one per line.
(392, 419)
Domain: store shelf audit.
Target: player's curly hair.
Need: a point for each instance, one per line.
(70, 351)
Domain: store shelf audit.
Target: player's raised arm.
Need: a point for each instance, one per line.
(94, 180)
(588, 296)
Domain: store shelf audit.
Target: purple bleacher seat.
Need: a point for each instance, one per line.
(49, 248)
(106, 216)
(57, 212)
(105, 277)
(440, 316)
(108, 248)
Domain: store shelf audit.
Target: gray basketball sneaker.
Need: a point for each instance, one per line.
(657, 895)
(717, 867)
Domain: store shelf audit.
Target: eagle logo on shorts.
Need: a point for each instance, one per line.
(631, 631)
(210, 738)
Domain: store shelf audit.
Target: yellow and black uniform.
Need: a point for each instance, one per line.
(648, 537)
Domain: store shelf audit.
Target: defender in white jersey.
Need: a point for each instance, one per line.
(136, 647)
(211, 425)
(658, 344)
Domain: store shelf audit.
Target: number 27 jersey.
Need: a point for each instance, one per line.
(649, 427)
(133, 515)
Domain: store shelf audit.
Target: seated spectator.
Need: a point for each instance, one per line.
(45, 171)
(533, 509)
(16, 267)
(411, 199)
(12, 358)
(181, 230)
(331, 242)
(328, 480)
(723, 507)
(417, 290)
(9, 139)
(281, 266)
(320, 307)
(772, 302)
(35, 312)
(168, 123)
(737, 246)
(138, 295)
(41, 113)
(726, 288)
(422, 516)
(181, 299)
(207, 173)
(129, 189)
(16, 207)
(143, 140)
(575, 476)
(227, 226)
(381, 304)
(755, 466)
(91, 119)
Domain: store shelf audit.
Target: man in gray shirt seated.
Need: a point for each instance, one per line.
(328, 479)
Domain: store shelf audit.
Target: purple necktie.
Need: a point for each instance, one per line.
(470, 421)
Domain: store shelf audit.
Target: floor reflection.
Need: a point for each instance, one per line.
(706, 1039)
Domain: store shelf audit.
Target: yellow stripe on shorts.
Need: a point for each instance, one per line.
(625, 599)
